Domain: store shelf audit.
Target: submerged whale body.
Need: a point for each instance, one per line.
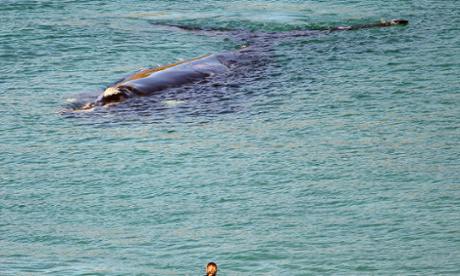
(154, 80)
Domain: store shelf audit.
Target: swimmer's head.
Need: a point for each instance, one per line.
(211, 269)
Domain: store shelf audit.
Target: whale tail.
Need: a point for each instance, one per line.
(381, 24)
(400, 22)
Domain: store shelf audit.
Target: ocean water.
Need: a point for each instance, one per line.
(336, 154)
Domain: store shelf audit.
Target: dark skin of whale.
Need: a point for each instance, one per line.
(154, 80)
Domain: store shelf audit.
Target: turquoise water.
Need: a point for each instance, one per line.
(340, 155)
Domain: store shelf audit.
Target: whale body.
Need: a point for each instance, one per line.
(151, 81)
(154, 80)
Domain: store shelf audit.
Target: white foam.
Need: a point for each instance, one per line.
(71, 100)
(172, 103)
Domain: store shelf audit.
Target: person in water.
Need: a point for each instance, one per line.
(211, 269)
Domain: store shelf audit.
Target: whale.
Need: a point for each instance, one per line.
(151, 81)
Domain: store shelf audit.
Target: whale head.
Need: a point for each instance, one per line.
(113, 95)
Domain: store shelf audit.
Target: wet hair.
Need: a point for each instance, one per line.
(211, 269)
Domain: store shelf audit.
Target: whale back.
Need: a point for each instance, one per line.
(149, 81)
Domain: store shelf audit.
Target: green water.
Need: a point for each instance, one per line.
(341, 155)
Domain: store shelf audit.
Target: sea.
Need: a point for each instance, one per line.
(334, 154)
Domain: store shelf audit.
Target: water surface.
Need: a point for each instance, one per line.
(340, 155)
